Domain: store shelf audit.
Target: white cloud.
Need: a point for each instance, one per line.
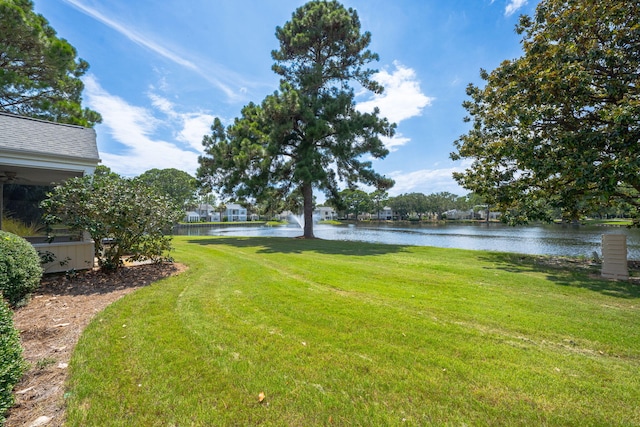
(402, 99)
(194, 127)
(135, 129)
(426, 181)
(150, 43)
(396, 142)
(513, 6)
(132, 35)
(161, 103)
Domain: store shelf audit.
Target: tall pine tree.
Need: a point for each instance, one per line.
(307, 135)
(39, 72)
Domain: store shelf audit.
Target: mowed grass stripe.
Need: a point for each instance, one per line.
(355, 334)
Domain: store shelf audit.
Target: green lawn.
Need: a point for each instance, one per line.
(616, 222)
(345, 333)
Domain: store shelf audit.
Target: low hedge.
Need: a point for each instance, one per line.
(12, 365)
(20, 269)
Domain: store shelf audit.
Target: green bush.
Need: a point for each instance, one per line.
(15, 226)
(20, 269)
(132, 217)
(12, 365)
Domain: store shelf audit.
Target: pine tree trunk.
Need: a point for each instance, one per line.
(307, 193)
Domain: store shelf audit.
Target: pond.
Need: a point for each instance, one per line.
(551, 239)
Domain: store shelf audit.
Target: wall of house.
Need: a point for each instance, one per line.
(236, 215)
(68, 255)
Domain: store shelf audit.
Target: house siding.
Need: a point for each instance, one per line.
(236, 213)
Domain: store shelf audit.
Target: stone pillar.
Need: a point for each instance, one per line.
(614, 257)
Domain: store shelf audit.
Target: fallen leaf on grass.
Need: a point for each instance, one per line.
(261, 397)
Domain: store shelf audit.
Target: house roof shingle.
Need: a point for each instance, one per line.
(25, 134)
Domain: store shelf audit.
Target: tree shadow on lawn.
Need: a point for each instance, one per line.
(566, 271)
(287, 245)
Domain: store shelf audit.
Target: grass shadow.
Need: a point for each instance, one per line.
(289, 245)
(566, 271)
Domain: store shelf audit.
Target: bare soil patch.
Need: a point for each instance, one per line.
(50, 326)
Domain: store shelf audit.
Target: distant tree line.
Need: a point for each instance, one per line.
(419, 206)
(355, 202)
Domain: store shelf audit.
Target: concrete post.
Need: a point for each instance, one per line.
(614, 257)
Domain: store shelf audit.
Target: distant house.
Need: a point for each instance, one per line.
(325, 213)
(192, 216)
(458, 214)
(207, 213)
(236, 213)
(202, 213)
(40, 153)
(284, 215)
(386, 214)
(493, 216)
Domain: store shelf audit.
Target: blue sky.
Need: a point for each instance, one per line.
(161, 70)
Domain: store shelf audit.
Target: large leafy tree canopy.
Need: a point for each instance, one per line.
(178, 185)
(558, 128)
(39, 72)
(308, 134)
(356, 201)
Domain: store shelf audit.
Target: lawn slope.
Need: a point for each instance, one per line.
(268, 331)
